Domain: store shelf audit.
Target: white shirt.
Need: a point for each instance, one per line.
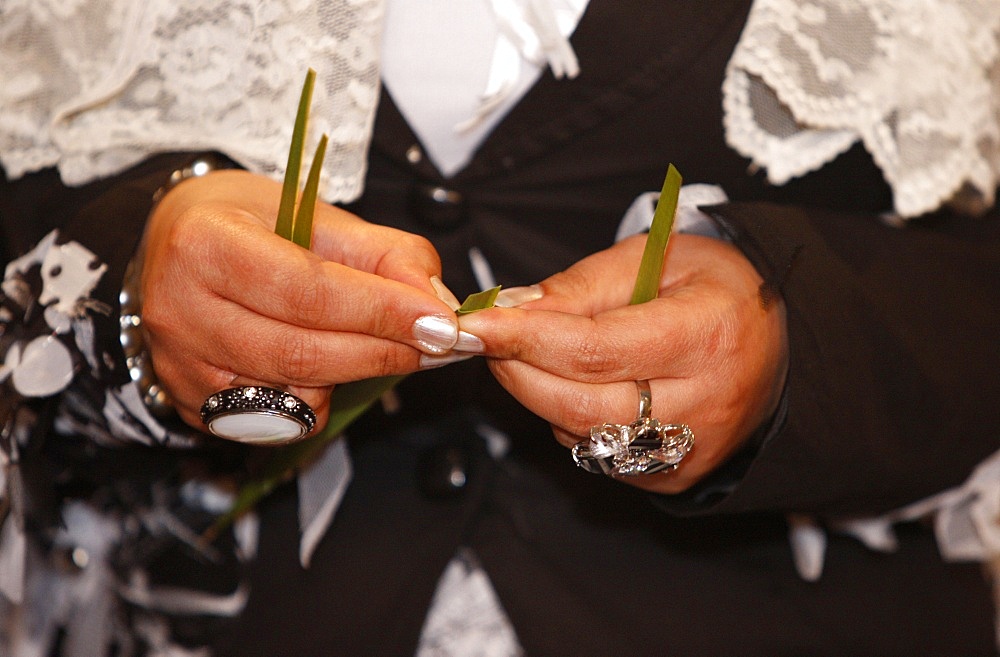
(487, 54)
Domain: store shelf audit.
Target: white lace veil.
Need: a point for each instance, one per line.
(94, 86)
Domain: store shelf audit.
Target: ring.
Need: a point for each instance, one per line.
(643, 447)
(255, 414)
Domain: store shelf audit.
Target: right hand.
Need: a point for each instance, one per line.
(228, 302)
(714, 352)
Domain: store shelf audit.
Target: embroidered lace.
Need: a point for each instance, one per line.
(95, 86)
(916, 81)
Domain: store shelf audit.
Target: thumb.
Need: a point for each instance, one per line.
(599, 282)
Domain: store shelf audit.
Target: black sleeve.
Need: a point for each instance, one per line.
(107, 217)
(101, 223)
(893, 391)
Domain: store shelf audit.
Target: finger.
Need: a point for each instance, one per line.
(257, 347)
(342, 237)
(270, 276)
(314, 358)
(573, 408)
(576, 406)
(605, 280)
(599, 282)
(704, 316)
(338, 235)
(666, 336)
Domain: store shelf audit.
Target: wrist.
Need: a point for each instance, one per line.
(132, 334)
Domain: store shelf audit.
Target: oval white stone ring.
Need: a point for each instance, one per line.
(257, 414)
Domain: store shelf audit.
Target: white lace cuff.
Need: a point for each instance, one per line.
(95, 86)
(918, 83)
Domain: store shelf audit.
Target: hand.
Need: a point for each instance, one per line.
(714, 352)
(227, 302)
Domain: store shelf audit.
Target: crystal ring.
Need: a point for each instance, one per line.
(256, 414)
(643, 447)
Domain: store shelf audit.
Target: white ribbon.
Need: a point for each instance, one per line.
(535, 31)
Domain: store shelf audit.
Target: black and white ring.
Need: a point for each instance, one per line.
(257, 414)
(642, 447)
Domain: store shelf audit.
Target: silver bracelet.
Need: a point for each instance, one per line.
(140, 366)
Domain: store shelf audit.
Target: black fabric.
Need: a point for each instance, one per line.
(885, 371)
(106, 216)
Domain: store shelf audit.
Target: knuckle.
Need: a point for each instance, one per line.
(187, 232)
(723, 333)
(582, 410)
(308, 299)
(298, 358)
(411, 242)
(591, 357)
(155, 317)
(382, 324)
(390, 360)
(568, 282)
(407, 244)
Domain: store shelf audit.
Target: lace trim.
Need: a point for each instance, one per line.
(95, 86)
(918, 83)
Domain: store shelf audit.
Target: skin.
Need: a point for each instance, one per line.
(227, 302)
(714, 352)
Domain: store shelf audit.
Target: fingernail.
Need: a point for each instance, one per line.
(431, 362)
(469, 343)
(436, 334)
(444, 293)
(514, 296)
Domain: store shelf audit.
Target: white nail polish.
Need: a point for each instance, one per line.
(431, 362)
(444, 293)
(469, 343)
(514, 296)
(436, 334)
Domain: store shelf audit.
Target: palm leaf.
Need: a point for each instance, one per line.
(290, 189)
(647, 282)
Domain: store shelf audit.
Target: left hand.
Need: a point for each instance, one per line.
(226, 302)
(714, 352)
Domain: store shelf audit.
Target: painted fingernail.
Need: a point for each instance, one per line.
(431, 362)
(469, 343)
(436, 334)
(444, 293)
(514, 296)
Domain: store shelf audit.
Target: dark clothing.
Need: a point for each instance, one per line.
(892, 394)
